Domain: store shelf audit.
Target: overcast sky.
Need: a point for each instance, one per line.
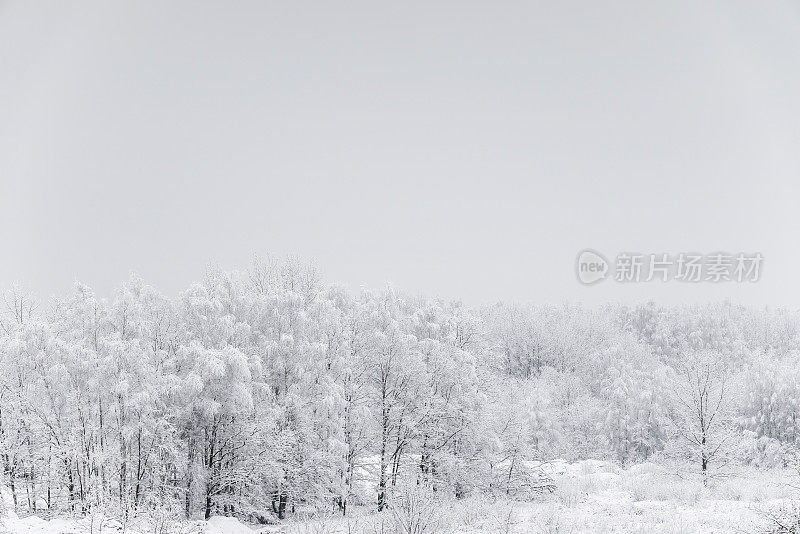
(458, 149)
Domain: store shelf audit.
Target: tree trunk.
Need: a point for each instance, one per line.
(384, 442)
(189, 477)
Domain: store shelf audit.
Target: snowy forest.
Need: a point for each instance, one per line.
(271, 398)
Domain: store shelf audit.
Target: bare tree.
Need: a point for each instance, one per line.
(702, 407)
(19, 307)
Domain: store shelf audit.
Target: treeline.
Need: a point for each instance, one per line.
(265, 393)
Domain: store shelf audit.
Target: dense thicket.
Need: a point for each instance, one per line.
(266, 393)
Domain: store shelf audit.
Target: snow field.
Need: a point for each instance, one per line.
(591, 497)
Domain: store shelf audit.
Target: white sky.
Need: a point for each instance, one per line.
(457, 149)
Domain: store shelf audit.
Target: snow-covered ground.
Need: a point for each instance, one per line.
(592, 497)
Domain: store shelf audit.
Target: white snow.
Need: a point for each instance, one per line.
(592, 497)
(6, 504)
(226, 525)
